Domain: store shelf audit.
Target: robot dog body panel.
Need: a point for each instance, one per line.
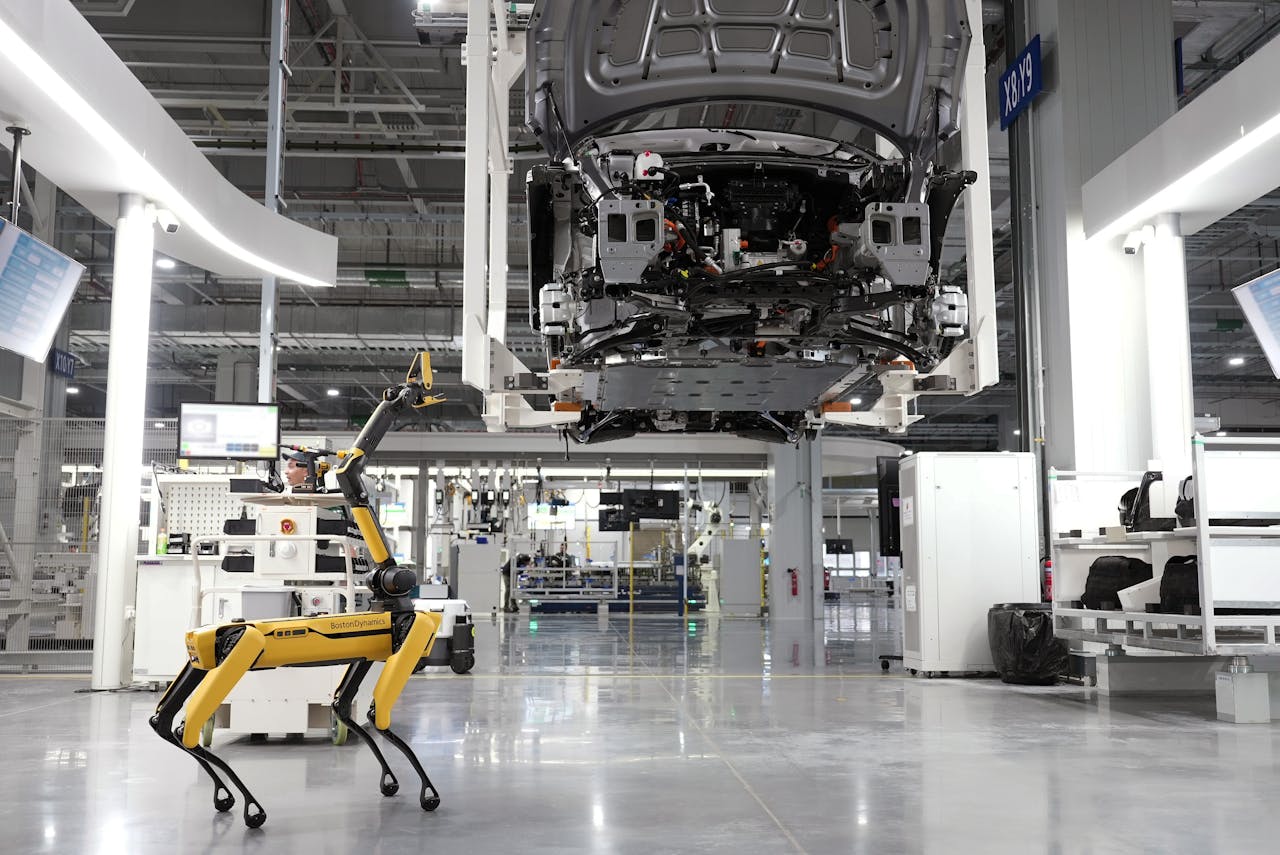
(304, 640)
(227, 651)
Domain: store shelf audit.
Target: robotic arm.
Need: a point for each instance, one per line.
(389, 584)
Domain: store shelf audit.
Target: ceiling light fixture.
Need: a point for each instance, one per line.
(166, 263)
(33, 66)
(1017, 432)
(1221, 433)
(1236, 361)
(855, 401)
(158, 424)
(333, 393)
(73, 390)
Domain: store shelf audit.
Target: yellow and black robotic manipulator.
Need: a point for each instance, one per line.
(391, 631)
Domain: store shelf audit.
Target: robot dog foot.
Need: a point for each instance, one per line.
(428, 796)
(223, 800)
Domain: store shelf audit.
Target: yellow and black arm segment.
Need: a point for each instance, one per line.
(388, 584)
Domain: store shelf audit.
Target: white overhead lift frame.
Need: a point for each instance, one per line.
(974, 364)
(495, 61)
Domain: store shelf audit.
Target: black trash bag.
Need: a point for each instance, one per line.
(1180, 586)
(1110, 574)
(1023, 646)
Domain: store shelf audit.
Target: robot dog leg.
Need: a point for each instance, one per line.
(343, 698)
(400, 664)
(238, 648)
(162, 723)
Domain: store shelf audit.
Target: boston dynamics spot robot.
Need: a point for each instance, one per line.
(391, 631)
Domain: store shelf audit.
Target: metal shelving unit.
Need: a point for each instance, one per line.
(1239, 565)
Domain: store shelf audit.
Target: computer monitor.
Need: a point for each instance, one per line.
(229, 432)
(1259, 300)
(36, 284)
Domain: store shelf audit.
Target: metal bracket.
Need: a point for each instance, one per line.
(525, 383)
(936, 383)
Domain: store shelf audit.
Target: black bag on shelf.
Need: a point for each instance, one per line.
(1180, 585)
(1185, 507)
(1110, 574)
(1023, 647)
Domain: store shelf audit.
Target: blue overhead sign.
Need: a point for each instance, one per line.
(1020, 83)
(62, 363)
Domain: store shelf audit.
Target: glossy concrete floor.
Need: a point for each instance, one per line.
(663, 735)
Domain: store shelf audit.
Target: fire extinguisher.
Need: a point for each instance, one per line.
(795, 582)
(1048, 580)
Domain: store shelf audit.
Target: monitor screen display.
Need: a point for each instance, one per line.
(229, 432)
(36, 284)
(1260, 302)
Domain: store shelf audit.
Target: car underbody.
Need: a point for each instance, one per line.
(706, 274)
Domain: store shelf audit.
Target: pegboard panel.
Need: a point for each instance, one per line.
(199, 504)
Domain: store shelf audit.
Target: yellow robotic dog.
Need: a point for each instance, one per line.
(391, 631)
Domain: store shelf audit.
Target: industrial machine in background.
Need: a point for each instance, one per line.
(622, 511)
(741, 578)
(969, 540)
(475, 574)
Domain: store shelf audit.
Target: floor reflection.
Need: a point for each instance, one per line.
(664, 734)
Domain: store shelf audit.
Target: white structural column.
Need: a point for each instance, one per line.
(123, 443)
(980, 263)
(475, 222)
(1168, 347)
(276, 87)
(975, 364)
(508, 66)
(421, 514)
(795, 530)
(1110, 82)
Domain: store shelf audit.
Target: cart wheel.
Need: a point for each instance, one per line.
(884, 664)
(338, 731)
(206, 733)
(462, 663)
(929, 675)
(914, 672)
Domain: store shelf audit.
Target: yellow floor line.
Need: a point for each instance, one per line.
(533, 675)
(542, 675)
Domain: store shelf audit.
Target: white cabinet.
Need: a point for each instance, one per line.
(969, 541)
(740, 578)
(475, 573)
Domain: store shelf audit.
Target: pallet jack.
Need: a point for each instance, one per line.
(392, 631)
